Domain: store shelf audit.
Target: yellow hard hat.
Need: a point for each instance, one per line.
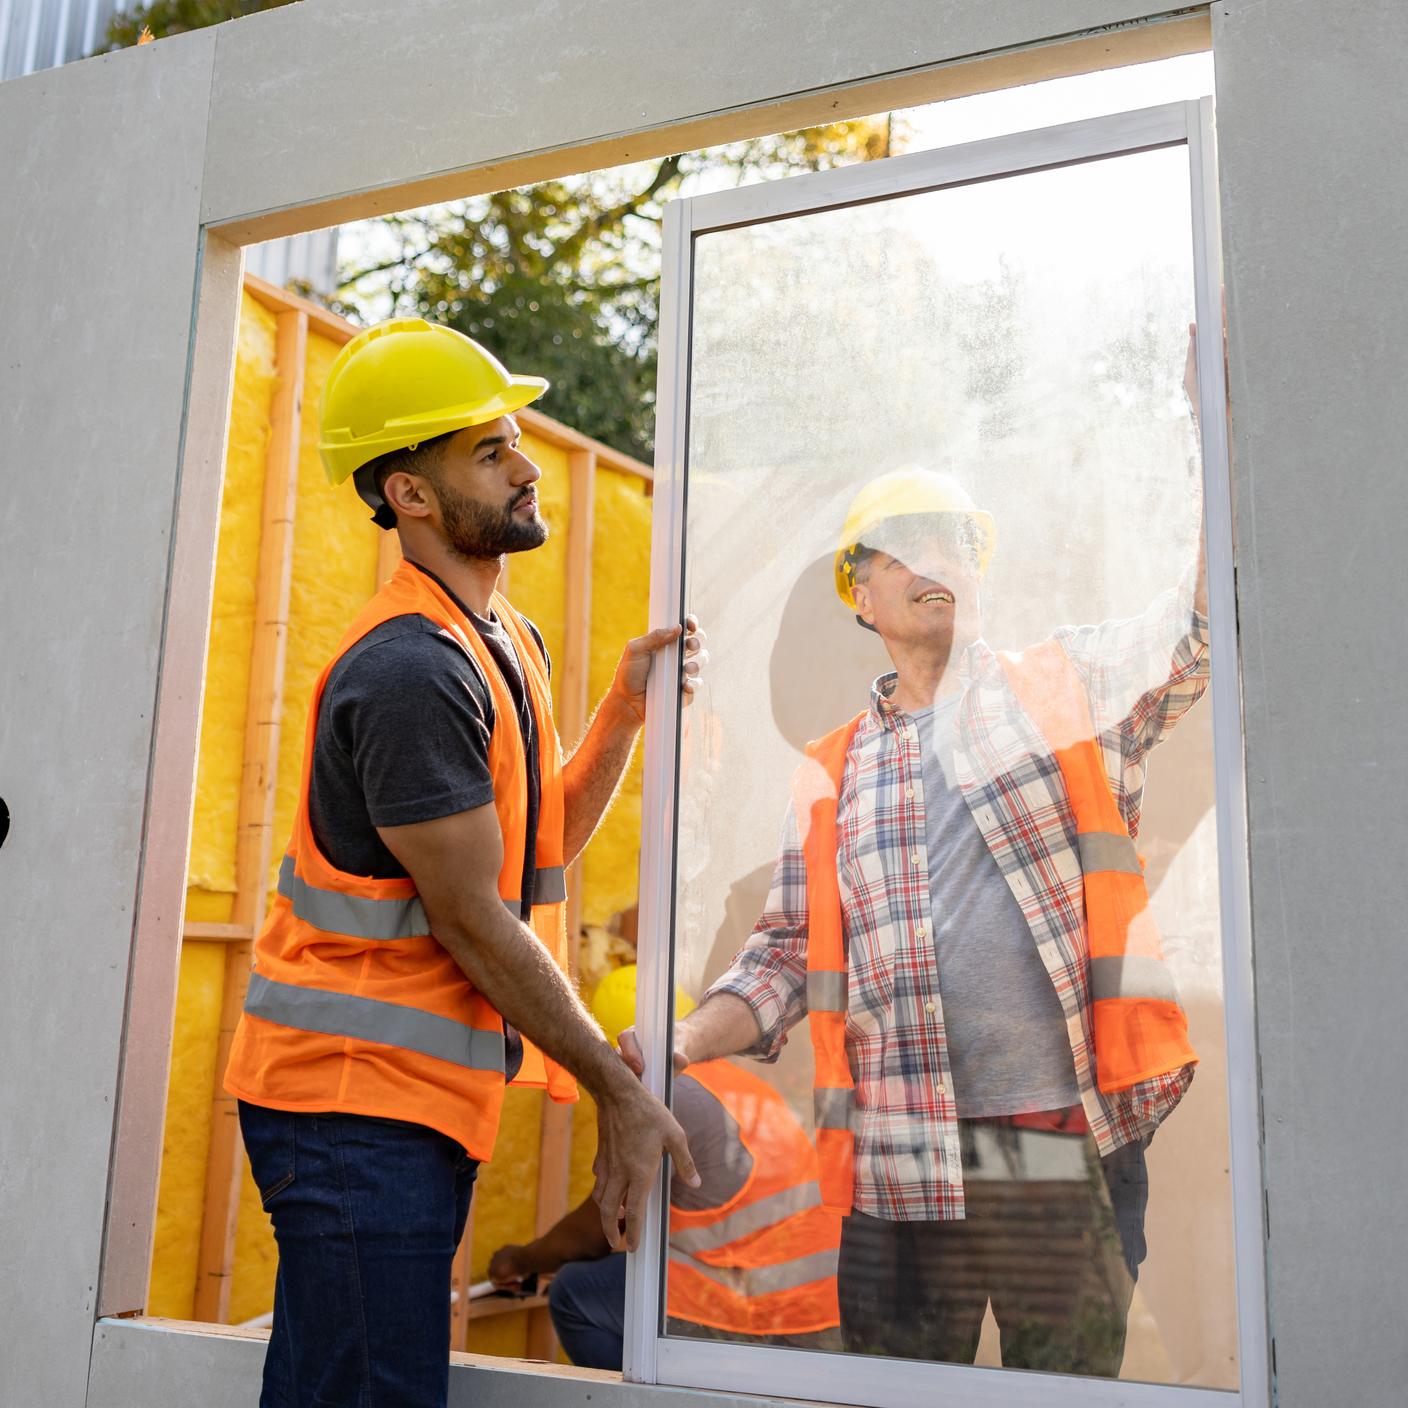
(405, 381)
(614, 1001)
(900, 494)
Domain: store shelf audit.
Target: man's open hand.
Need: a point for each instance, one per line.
(634, 670)
(633, 1130)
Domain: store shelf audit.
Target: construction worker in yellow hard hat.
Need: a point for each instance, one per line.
(752, 1251)
(960, 913)
(419, 926)
(928, 522)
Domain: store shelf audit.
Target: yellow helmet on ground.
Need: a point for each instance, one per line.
(905, 493)
(614, 1001)
(406, 381)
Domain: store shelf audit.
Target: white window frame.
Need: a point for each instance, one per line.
(650, 1356)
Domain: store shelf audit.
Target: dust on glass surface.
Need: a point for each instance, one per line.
(960, 965)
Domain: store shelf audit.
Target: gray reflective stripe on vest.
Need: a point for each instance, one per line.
(337, 913)
(832, 1108)
(1131, 976)
(1102, 850)
(762, 1280)
(826, 992)
(364, 1018)
(776, 1207)
(550, 885)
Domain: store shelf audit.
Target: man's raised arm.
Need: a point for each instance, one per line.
(592, 775)
(1145, 672)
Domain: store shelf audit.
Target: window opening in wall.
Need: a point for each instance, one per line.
(297, 559)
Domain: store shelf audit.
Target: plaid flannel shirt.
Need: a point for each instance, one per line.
(1142, 675)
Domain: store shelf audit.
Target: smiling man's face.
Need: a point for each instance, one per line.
(919, 585)
(486, 492)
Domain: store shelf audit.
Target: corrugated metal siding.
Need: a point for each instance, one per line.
(39, 34)
(310, 258)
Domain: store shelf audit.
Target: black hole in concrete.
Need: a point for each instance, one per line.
(4, 821)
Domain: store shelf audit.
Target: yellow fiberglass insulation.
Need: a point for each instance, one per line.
(334, 573)
(212, 863)
(537, 580)
(186, 1138)
(620, 601)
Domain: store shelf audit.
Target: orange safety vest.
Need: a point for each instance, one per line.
(765, 1262)
(353, 1005)
(1139, 1027)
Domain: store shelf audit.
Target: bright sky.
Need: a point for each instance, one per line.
(966, 120)
(1058, 100)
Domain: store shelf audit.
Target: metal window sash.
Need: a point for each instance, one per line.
(650, 1356)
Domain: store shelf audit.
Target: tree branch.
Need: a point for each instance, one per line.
(595, 226)
(402, 262)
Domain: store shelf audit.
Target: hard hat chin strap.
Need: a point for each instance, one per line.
(364, 481)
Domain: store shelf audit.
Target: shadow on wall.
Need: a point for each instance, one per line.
(823, 663)
(819, 676)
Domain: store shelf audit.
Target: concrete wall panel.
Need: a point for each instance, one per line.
(469, 85)
(1311, 116)
(197, 1369)
(102, 166)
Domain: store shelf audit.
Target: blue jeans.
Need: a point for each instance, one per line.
(367, 1214)
(587, 1302)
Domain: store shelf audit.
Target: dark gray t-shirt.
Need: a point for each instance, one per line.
(403, 736)
(1007, 1045)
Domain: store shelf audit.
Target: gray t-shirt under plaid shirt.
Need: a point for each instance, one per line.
(1007, 1043)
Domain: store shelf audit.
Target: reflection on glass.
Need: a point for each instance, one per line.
(931, 440)
(753, 1249)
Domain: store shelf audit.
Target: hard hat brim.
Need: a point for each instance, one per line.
(983, 520)
(344, 454)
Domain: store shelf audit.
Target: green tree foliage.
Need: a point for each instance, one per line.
(562, 279)
(163, 17)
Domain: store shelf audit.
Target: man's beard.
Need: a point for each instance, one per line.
(474, 530)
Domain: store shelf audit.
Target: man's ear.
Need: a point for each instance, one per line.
(860, 594)
(408, 494)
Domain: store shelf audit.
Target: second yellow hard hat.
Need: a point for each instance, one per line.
(614, 1001)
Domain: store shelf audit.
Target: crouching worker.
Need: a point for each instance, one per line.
(752, 1253)
(420, 905)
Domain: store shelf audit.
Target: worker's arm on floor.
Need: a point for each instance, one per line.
(574, 1237)
(593, 773)
(455, 862)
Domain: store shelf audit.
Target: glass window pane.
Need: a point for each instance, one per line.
(943, 1047)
